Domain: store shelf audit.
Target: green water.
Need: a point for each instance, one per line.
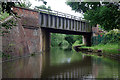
(61, 64)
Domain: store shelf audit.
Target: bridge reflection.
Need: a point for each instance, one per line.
(77, 69)
(39, 66)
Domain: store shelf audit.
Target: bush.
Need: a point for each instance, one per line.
(112, 36)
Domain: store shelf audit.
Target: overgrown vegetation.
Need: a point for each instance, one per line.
(110, 42)
(110, 48)
(113, 36)
(64, 41)
(105, 14)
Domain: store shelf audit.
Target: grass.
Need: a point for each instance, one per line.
(77, 43)
(106, 48)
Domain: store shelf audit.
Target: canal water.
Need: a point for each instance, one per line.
(61, 64)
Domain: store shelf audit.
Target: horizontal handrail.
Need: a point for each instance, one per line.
(61, 14)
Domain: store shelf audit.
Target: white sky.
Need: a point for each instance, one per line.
(57, 5)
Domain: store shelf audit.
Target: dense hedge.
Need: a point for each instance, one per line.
(113, 36)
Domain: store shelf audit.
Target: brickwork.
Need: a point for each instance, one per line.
(28, 17)
(23, 39)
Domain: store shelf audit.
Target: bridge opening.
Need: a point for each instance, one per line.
(65, 41)
(63, 38)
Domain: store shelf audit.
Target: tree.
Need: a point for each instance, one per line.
(107, 15)
(108, 18)
(83, 6)
(6, 6)
(24, 4)
(42, 7)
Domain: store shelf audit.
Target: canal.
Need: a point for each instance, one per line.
(61, 64)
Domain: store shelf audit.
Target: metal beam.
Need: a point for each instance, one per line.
(63, 23)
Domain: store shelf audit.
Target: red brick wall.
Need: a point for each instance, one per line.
(24, 38)
(28, 17)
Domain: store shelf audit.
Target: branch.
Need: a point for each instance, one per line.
(6, 20)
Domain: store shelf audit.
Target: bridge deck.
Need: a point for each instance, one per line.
(59, 20)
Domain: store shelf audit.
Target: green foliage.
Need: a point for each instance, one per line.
(6, 11)
(76, 43)
(5, 28)
(24, 4)
(110, 41)
(3, 16)
(6, 6)
(64, 41)
(83, 6)
(107, 15)
(109, 48)
(58, 40)
(70, 39)
(112, 36)
(42, 7)
(73, 38)
(78, 38)
(8, 56)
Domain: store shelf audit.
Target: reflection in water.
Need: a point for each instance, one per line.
(23, 68)
(60, 64)
(0, 70)
(105, 68)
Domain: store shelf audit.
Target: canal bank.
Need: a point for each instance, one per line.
(109, 50)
